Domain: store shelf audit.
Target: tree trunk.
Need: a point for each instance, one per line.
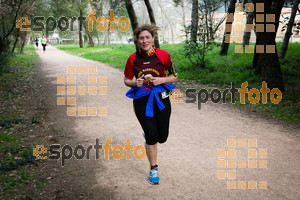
(195, 19)
(13, 25)
(267, 63)
(289, 29)
(101, 14)
(247, 35)
(152, 20)
(29, 39)
(132, 17)
(211, 27)
(208, 26)
(15, 43)
(98, 39)
(105, 42)
(225, 45)
(163, 34)
(225, 5)
(169, 22)
(4, 46)
(90, 38)
(85, 38)
(183, 17)
(80, 31)
(4, 41)
(24, 36)
(183, 13)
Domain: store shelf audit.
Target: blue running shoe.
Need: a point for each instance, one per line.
(153, 176)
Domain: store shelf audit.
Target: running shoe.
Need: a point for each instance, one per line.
(153, 176)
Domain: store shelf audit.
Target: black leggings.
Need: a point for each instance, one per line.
(156, 129)
(44, 47)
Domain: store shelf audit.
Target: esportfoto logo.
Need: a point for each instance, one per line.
(63, 23)
(66, 152)
(216, 95)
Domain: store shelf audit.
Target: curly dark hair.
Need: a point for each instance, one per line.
(152, 29)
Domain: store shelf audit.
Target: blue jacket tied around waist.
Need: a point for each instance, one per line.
(138, 92)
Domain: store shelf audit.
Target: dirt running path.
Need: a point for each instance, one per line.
(187, 162)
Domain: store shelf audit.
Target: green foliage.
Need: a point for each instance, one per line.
(220, 70)
(14, 157)
(11, 155)
(116, 55)
(25, 62)
(4, 63)
(16, 178)
(41, 184)
(36, 118)
(196, 53)
(7, 123)
(19, 68)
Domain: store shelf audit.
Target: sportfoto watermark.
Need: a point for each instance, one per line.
(68, 90)
(216, 95)
(63, 23)
(66, 152)
(228, 162)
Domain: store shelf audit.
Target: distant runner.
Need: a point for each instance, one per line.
(36, 43)
(44, 43)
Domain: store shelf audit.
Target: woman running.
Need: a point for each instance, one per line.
(154, 74)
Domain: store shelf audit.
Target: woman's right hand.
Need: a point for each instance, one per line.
(140, 81)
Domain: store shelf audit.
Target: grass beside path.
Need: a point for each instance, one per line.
(220, 71)
(16, 88)
(115, 55)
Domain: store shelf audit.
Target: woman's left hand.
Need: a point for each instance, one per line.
(158, 80)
